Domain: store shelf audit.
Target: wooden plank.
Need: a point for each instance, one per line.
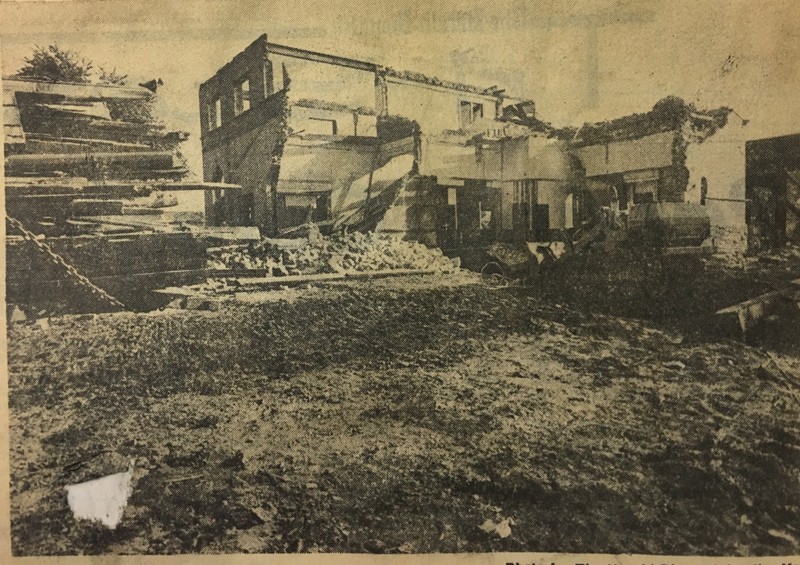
(96, 110)
(247, 284)
(745, 315)
(160, 159)
(11, 116)
(13, 135)
(321, 277)
(157, 173)
(155, 274)
(43, 182)
(690, 250)
(196, 185)
(151, 223)
(48, 137)
(77, 90)
(201, 273)
(12, 126)
(234, 233)
(289, 279)
(178, 291)
(128, 126)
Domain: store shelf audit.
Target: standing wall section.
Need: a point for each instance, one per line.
(240, 146)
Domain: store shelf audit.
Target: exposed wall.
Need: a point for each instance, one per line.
(323, 164)
(413, 212)
(721, 160)
(434, 109)
(324, 81)
(650, 152)
(343, 168)
(241, 153)
(447, 158)
(450, 157)
(250, 64)
(319, 121)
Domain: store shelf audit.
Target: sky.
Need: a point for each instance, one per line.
(741, 54)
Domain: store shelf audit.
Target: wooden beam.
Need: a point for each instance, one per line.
(196, 185)
(16, 164)
(77, 90)
(85, 141)
(250, 284)
(307, 55)
(745, 315)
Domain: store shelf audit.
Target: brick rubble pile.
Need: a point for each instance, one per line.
(351, 252)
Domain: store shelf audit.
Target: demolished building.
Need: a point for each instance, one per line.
(673, 153)
(347, 143)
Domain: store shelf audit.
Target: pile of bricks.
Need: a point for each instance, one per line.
(351, 252)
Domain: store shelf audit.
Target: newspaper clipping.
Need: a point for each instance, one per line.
(511, 283)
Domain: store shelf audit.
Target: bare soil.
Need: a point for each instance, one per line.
(399, 416)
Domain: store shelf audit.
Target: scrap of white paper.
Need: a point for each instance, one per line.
(101, 500)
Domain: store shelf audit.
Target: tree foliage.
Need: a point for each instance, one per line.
(112, 77)
(56, 64)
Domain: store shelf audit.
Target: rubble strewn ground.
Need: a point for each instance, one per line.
(403, 415)
(681, 291)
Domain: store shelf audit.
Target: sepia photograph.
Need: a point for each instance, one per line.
(513, 280)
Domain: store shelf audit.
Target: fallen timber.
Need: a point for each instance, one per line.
(257, 283)
(744, 316)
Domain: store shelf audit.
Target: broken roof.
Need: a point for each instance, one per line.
(668, 114)
(333, 106)
(415, 76)
(412, 76)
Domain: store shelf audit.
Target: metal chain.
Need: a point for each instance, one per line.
(72, 271)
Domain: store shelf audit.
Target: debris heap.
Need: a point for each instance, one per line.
(350, 252)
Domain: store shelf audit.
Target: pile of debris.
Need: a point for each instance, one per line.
(349, 252)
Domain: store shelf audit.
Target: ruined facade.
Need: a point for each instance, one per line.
(297, 158)
(674, 153)
(340, 142)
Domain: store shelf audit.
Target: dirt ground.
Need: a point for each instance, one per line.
(399, 416)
